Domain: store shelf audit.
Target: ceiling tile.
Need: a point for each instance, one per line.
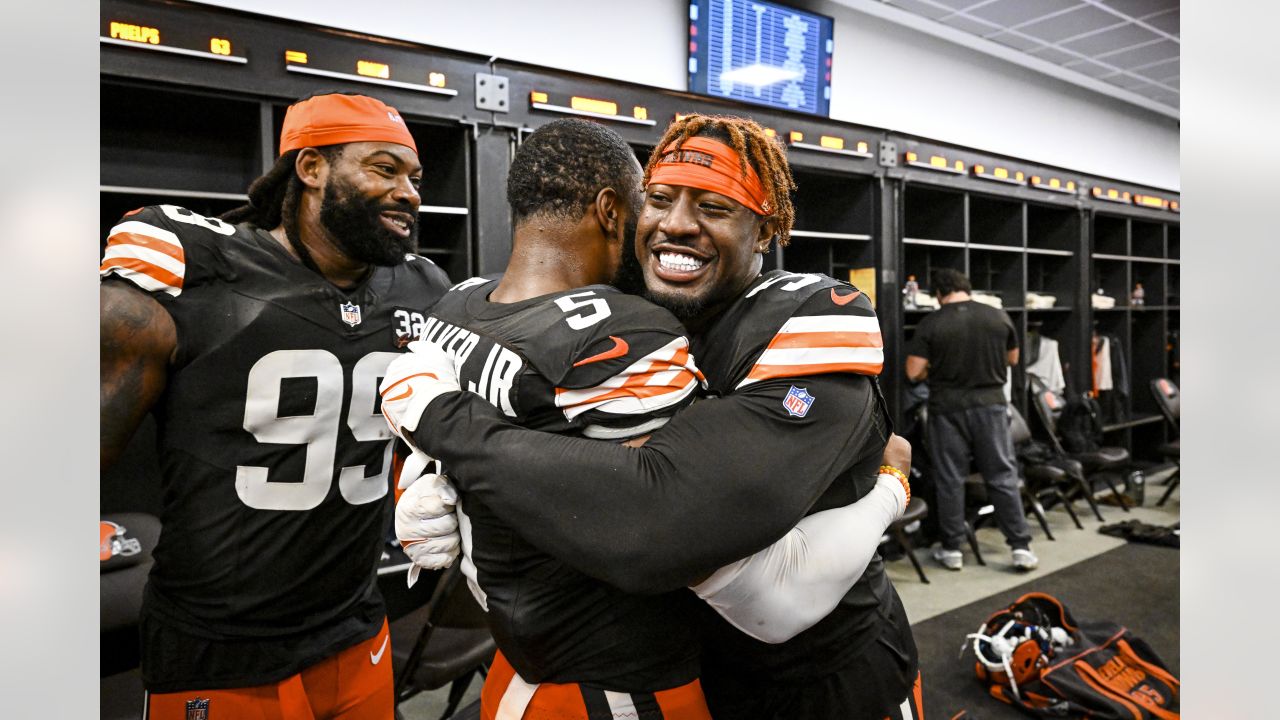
(1069, 24)
(1055, 56)
(1093, 70)
(1113, 39)
(1159, 70)
(1168, 22)
(1128, 82)
(969, 25)
(923, 9)
(1143, 55)
(1017, 42)
(1144, 89)
(1155, 94)
(958, 4)
(1015, 12)
(1140, 8)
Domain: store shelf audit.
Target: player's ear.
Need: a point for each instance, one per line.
(766, 231)
(606, 209)
(312, 168)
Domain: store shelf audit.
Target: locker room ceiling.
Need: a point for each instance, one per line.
(1128, 49)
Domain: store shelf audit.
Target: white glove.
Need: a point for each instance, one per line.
(426, 524)
(412, 381)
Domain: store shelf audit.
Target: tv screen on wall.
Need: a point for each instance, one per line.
(761, 52)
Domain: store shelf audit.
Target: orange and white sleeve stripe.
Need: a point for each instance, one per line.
(819, 345)
(658, 380)
(150, 257)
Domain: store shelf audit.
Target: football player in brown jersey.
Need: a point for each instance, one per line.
(258, 341)
(798, 426)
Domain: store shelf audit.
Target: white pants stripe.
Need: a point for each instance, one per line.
(515, 699)
(621, 704)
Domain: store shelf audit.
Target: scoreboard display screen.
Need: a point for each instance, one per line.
(761, 52)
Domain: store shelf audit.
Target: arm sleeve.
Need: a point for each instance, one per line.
(792, 584)
(723, 479)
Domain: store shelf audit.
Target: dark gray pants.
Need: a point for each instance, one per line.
(983, 434)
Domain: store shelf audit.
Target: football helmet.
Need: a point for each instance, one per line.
(1016, 643)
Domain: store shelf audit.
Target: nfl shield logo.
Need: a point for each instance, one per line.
(350, 313)
(798, 401)
(198, 709)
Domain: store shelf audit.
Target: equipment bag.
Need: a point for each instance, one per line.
(1034, 655)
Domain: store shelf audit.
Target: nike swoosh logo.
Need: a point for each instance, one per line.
(843, 299)
(407, 392)
(375, 657)
(620, 348)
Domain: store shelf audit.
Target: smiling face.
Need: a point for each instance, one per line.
(370, 202)
(698, 249)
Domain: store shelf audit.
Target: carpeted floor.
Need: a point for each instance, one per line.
(1134, 585)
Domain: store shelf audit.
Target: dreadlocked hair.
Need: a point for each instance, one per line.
(749, 141)
(274, 197)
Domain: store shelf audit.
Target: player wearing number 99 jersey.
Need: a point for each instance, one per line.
(259, 347)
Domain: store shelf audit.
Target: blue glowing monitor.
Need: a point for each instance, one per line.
(761, 52)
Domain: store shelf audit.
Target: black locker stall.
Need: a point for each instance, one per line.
(193, 98)
(981, 214)
(1131, 250)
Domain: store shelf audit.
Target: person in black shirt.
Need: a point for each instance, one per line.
(963, 350)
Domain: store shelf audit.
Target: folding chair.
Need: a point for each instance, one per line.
(1104, 462)
(1169, 400)
(445, 642)
(120, 583)
(916, 510)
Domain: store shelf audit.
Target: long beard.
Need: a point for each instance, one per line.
(355, 223)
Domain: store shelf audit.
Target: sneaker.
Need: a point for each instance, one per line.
(1025, 560)
(949, 559)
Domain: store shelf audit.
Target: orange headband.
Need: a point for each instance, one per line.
(708, 164)
(336, 119)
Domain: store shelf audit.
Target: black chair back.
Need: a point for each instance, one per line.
(1168, 399)
(445, 640)
(453, 605)
(1049, 406)
(1018, 428)
(125, 562)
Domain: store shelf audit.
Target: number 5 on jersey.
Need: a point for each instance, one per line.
(581, 321)
(318, 430)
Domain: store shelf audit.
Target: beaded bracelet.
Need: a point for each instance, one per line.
(902, 478)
